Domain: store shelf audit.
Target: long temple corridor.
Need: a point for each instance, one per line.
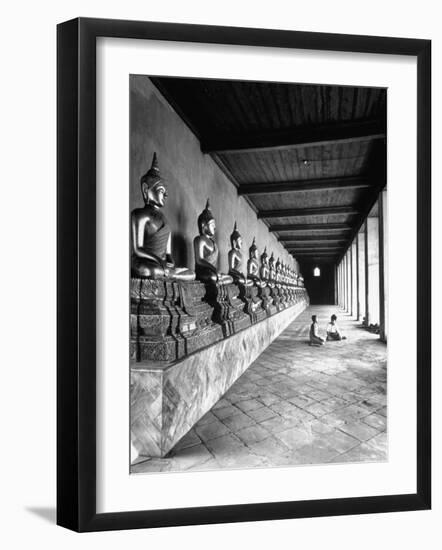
(296, 404)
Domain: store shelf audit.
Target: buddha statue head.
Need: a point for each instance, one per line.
(153, 186)
(253, 250)
(206, 222)
(272, 261)
(235, 238)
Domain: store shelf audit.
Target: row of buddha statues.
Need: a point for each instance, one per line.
(175, 310)
(151, 242)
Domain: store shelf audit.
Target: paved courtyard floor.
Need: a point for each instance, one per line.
(295, 404)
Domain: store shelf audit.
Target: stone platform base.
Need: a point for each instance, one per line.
(167, 400)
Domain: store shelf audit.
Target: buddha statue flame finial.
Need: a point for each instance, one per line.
(152, 177)
(235, 234)
(205, 216)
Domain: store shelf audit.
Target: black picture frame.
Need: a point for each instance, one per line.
(76, 274)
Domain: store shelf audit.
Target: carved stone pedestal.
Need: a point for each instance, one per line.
(169, 320)
(283, 298)
(276, 298)
(228, 309)
(253, 304)
(267, 300)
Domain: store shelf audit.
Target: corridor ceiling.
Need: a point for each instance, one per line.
(310, 159)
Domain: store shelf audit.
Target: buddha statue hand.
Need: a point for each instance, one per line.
(169, 260)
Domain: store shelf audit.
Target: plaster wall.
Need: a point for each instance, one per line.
(192, 177)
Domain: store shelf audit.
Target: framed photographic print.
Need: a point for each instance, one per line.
(243, 274)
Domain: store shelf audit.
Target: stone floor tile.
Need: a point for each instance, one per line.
(376, 421)
(272, 449)
(341, 441)
(284, 408)
(249, 405)
(152, 466)
(264, 413)
(220, 405)
(239, 421)
(207, 418)
(225, 412)
(379, 442)
(359, 430)
(191, 457)
(335, 403)
(361, 453)
(318, 395)
(212, 430)
(268, 398)
(189, 440)
(296, 437)
(252, 434)
(302, 401)
(279, 424)
(319, 409)
(313, 454)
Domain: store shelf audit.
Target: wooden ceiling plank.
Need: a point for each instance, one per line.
(310, 227)
(307, 238)
(306, 212)
(341, 132)
(321, 184)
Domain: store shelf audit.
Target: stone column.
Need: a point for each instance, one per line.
(362, 309)
(383, 265)
(349, 289)
(341, 294)
(354, 280)
(344, 276)
(335, 285)
(372, 240)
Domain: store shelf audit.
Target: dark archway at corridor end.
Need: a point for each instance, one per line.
(320, 288)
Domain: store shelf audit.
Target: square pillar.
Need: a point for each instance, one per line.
(372, 282)
(354, 281)
(383, 265)
(349, 293)
(362, 309)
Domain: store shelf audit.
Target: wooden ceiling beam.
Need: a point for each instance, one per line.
(341, 132)
(315, 249)
(306, 212)
(320, 184)
(300, 238)
(310, 227)
(316, 254)
(317, 242)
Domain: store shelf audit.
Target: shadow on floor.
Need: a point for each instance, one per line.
(46, 513)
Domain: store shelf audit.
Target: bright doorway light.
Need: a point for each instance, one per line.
(316, 272)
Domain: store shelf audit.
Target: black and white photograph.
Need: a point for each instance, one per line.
(258, 274)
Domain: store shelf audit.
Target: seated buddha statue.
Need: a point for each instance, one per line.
(235, 259)
(151, 236)
(272, 269)
(264, 272)
(206, 250)
(253, 266)
(278, 271)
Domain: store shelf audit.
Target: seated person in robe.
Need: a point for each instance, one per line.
(333, 332)
(315, 339)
